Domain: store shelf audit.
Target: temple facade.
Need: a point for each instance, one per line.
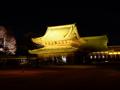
(65, 39)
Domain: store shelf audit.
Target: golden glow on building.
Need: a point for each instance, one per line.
(114, 53)
(58, 39)
(65, 39)
(105, 55)
(107, 52)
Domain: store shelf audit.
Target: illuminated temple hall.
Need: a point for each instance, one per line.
(58, 39)
(64, 40)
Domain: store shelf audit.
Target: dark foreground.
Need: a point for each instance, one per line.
(61, 78)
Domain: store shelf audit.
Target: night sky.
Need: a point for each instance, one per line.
(90, 21)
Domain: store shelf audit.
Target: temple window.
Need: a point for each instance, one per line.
(55, 42)
(44, 43)
(50, 43)
(60, 42)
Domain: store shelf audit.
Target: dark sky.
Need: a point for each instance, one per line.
(90, 21)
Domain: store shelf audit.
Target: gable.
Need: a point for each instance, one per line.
(61, 32)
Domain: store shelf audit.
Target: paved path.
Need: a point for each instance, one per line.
(61, 77)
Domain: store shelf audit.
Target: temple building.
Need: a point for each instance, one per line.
(64, 40)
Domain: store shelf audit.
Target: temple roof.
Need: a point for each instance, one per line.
(61, 32)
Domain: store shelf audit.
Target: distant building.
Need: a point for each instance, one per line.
(108, 56)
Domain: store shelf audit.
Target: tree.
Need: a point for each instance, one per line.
(9, 41)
